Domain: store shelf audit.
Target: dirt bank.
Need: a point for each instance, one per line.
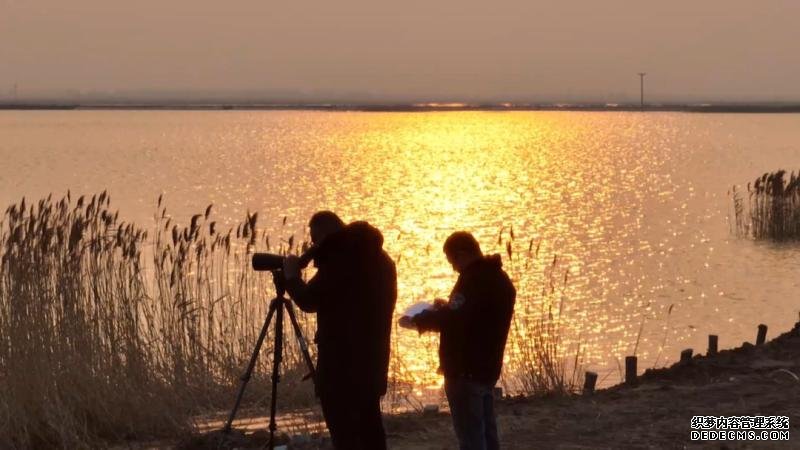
(656, 413)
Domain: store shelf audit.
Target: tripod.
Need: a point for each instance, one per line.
(276, 307)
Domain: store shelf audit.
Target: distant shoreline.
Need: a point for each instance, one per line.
(433, 107)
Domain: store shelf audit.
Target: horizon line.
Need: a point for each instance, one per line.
(726, 106)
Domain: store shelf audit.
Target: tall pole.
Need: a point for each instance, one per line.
(641, 87)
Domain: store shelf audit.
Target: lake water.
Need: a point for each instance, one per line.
(635, 206)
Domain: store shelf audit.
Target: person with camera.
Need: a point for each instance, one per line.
(353, 294)
(474, 325)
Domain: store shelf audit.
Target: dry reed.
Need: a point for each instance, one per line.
(539, 361)
(770, 209)
(95, 348)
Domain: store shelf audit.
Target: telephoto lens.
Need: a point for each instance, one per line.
(267, 261)
(272, 262)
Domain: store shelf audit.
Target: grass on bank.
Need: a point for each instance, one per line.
(98, 345)
(539, 360)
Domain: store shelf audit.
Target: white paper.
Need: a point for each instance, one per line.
(417, 308)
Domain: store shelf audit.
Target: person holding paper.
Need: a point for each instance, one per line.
(474, 326)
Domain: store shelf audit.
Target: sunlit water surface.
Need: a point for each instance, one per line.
(633, 207)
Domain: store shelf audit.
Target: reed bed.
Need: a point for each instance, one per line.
(539, 360)
(95, 348)
(111, 332)
(770, 209)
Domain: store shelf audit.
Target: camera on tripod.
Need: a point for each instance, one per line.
(272, 262)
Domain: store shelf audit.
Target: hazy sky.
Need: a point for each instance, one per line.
(410, 50)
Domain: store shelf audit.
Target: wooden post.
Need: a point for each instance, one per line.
(686, 356)
(712, 344)
(589, 383)
(630, 370)
(762, 334)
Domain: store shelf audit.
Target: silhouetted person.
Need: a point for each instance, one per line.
(353, 294)
(474, 326)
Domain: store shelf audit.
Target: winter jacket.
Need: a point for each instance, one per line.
(353, 294)
(474, 324)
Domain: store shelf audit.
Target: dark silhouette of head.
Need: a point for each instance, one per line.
(323, 224)
(462, 249)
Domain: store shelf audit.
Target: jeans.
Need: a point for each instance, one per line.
(472, 410)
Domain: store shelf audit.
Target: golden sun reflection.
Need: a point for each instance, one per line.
(508, 179)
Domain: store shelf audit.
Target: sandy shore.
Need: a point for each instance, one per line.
(655, 413)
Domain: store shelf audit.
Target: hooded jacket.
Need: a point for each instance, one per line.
(474, 324)
(353, 294)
